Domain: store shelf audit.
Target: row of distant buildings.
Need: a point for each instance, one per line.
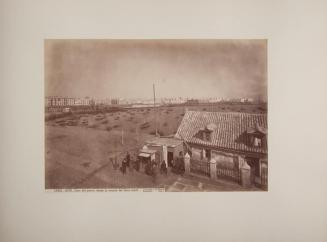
(59, 101)
(56, 101)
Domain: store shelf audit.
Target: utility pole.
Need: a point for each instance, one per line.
(154, 108)
(122, 136)
(137, 136)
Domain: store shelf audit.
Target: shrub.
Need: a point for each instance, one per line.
(145, 125)
(93, 126)
(108, 128)
(53, 116)
(153, 132)
(99, 118)
(104, 122)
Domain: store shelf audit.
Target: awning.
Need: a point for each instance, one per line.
(144, 155)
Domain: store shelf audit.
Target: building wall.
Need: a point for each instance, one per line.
(232, 160)
(224, 159)
(197, 153)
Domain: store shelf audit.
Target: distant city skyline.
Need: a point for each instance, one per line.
(151, 98)
(179, 68)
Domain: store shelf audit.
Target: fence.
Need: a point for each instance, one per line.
(229, 174)
(200, 167)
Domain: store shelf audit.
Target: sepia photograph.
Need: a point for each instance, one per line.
(173, 115)
(148, 121)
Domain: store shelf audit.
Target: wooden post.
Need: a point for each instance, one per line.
(137, 135)
(122, 136)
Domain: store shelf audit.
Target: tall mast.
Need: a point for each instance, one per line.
(154, 108)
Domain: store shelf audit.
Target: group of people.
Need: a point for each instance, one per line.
(152, 167)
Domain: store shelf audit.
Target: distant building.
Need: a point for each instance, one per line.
(57, 101)
(115, 101)
(246, 100)
(192, 102)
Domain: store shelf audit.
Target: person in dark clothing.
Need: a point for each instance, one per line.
(123, 167)
(163, 168)
(154, 171)
(137, 164)
(128, 159)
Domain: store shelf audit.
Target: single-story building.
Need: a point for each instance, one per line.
(169, 148)
(233, 140)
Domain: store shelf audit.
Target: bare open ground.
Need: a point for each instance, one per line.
(79, 147)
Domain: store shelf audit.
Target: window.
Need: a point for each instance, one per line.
(208, 136)
(257, 142)
(203, 135)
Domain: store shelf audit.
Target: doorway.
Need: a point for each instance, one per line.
(170, 157)
(255, 167)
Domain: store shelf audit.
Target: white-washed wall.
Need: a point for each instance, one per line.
(197, 154)
(226, 160)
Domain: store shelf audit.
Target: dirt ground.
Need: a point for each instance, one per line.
(79, 157)
(142, 120)
(79, 148)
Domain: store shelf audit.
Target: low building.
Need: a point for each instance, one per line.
(168, 148)
(230, 140)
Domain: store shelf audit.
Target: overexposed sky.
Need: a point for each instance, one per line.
(178, 68)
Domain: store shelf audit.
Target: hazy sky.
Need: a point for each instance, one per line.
(179, 68)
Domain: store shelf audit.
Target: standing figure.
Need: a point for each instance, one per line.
(137, 164)
(163, 168)
(154, 171)
(128, 159)
(123, 167)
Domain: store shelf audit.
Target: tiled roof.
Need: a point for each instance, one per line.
(164, 141)
(230, 132)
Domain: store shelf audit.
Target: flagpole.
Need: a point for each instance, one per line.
(122, 136)
(154, 108)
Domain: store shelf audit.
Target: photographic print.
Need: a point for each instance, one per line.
(174, 115)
